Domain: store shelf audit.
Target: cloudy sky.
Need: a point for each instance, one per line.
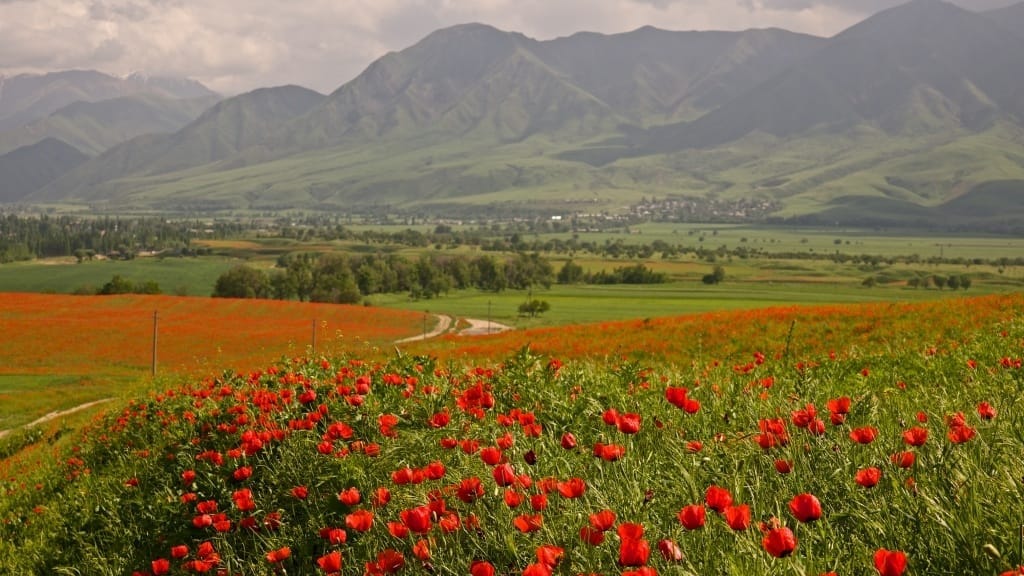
(236, 45)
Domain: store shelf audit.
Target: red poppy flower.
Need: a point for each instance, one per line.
(350, 496)
(610, 416)
(805, 507)
(469, 490)
(538, 569)
(440, 420)
(609, 452)
(779, 542)
(670, 551)
(435, 470)
(513, 499)
(388, 562)
(738, 517)
(591, 535)
(550, 555)
(603, 520)
(481, 568)
(802, 418)
(334, 536)
(279, 555)
(330, 563)
(381, 497)
(783, 466)
(868, 477)
(179, 552)
(633, 552)
(527, 523)
(572, 488)
(986, 411)
(692, 517)
(421, 550)
(903, 459)
(717, 498)
(539, 502)
(960, 434)
(915, 436)
(890, 562)
(449, 522)
(160, 566)
(188, 477)
(360, 520)
(504, 475)
(628, 423)
(568, 441)
(417, 519)
(676, 396)
(839, 405)
(491, 455)
(300, 492)
(865, 435)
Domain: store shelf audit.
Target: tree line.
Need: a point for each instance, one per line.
(27, 238)
(346, 279)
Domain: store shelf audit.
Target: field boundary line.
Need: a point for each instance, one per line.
(57, 414)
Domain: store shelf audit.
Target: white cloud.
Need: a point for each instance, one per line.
(237, 45)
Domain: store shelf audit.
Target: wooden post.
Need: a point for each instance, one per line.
(152, 367)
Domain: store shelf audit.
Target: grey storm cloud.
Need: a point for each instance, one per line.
(238, 45)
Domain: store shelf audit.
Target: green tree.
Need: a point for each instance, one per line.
(333, 281)
(965, 282)
(117, 285)
(242, 282)
(534, 308)
(570, 273)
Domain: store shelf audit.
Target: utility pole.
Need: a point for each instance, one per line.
(152, 366)
(314, 336)
(425, 312)
(488, 316)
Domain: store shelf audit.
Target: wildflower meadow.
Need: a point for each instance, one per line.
(885, 459)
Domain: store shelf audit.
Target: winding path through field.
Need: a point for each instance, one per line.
(58, 414)
(443, 323)
(476, 327)
(479, 327)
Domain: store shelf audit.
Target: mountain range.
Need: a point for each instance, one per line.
(913, 116)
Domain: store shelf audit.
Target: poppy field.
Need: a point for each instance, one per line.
(851, 441)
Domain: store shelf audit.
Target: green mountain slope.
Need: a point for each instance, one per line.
(921, 68)
(655, 76)
(93, 127)
(31, 167)
(1010, 17)
(907, 116)
(232, 125)
(26, 97)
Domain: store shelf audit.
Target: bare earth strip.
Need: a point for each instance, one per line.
(479, 327)
(443, 323)
(58, 414)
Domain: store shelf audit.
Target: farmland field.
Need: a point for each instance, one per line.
(802, 422)
(854, 439)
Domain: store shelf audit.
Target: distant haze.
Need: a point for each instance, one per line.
(234, 46)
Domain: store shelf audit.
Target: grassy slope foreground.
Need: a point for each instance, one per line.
(734, 454)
